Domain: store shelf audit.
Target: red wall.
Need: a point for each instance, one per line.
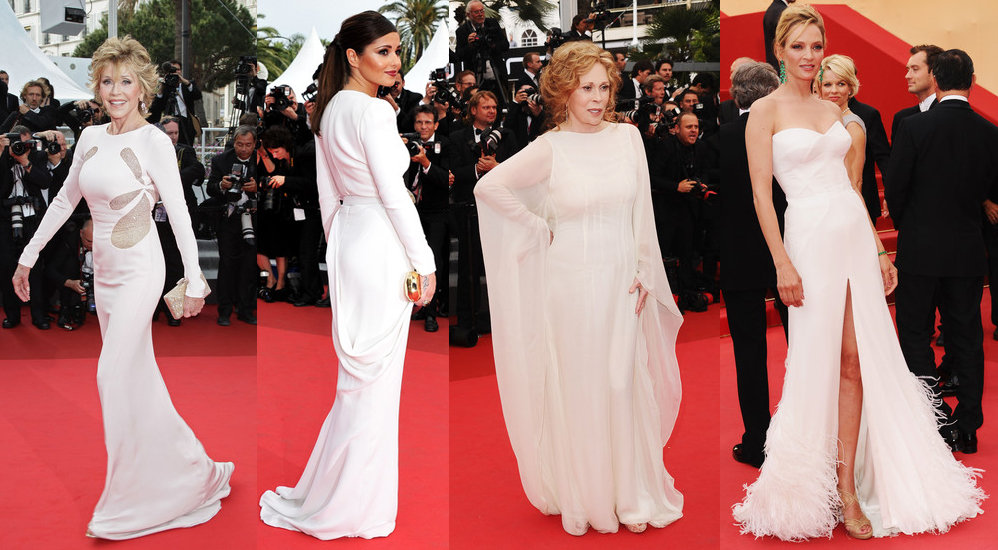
(879, 55)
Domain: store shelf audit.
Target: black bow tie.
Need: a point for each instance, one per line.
(478, 131)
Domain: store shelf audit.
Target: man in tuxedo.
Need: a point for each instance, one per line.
(920, 82)
(481, 45)
(526, 116)
(943, 166)
(8, 101)
(237, 270)
(580, 28)
(878, 154)
(177, 101)
(33, 116)
(748, 267)
(630, 89)
(769, 22)
(470, 161)
(728, 111)
(620, 61)
(405, 103)
(429, 180)
(663, 68)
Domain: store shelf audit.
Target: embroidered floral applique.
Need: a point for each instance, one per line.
(135, 224)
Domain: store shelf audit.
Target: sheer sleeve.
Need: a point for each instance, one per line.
(388, 161)
(161, 165)
(61, 207)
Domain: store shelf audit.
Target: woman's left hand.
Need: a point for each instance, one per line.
(642, 295)
(192, 306)
(889, 273)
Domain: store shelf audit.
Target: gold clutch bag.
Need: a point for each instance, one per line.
(175, 298)
(411, 286)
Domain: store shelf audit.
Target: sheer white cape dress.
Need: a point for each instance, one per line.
(350, 484)
(590, 391)
(158, 475)
(906, 477)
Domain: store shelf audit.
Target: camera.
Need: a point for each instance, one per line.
(439, 74)
(413, 143)
(532, 95)
(488, 38)
(557, 38)
(84, 116)
(244, 71)
(445, 95)
(245, 211)
(600, 17)
(641, 115)
(171, 79)
(309, 93)
(701, 190)
(490, 141)
(18, 147)
(281, 99)
(16, 205)
(238, 177)
(270, 198)
(87, 282)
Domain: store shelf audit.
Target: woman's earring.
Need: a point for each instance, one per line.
(783, 72)
(142, 106)
(821, 74)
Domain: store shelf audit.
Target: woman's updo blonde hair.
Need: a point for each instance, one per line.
(792, 23)
(561, 78)
(124, 53)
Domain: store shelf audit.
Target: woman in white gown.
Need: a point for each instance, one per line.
(584, 323)
(855, 433)
(350, 485)
(158, 475)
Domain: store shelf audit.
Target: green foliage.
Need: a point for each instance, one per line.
(684, 34)
(217, 40)
(416, 21)
(532, 11)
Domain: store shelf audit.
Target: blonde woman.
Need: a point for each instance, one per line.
(584, 324)
(158, 475)
(854, 437)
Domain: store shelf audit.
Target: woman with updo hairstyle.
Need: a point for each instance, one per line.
(854, 439)
(374, 238)
(158, 475)
(583, 319)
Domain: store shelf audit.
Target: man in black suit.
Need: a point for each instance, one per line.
(580, 26)
(237, 271)
(920, 82)
(9, 102)
(728, 110)
(663, 68)
(429, 180)
(481, 45)
(943, 166)
(526, 116)
(405, 104)
(470, 162)
(177, 101)
(748, 267)
(878, 154)
(631, 89)
(33, 115)
(769, 22)
(70, 255)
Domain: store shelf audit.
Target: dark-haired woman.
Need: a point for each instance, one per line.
(350, 485)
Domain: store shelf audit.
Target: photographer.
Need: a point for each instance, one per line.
(283, 109)
(429, 181)
(526, 116)
(71, 268)
(237, 271)
(33, 116)
(445, 99)
(478, 148)
(176, 98)
(250, 90)
(22, 170)
(405, 103)
(481, 46)
(295, 178)
(678, 167)
(581, 29)
(631, 90)
(8, 101)
(663, 68)
(79, 115)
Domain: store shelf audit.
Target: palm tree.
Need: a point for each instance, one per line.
(416, 21)
(673, 31)
(529, 11)
(271, 52)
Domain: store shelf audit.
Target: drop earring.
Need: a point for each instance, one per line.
(783, 72)
(821, 74)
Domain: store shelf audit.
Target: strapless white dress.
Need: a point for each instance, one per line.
(907, 480)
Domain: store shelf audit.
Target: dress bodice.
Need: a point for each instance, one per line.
(808, 163)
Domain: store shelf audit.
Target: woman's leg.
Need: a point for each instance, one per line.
(850, 411)
(282, 268)
(263, 262)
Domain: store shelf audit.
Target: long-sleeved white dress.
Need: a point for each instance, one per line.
(590, 391)
(350, 484)
(158, 475)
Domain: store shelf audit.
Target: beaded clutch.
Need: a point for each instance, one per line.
(175, 298)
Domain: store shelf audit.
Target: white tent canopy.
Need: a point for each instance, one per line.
(24, 61)
(298, 75)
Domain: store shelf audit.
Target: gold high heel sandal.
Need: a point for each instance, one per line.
(636, 527)
(854, 526)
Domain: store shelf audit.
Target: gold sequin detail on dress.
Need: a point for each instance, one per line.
(133, 162)
(90, 153)
(133, 226)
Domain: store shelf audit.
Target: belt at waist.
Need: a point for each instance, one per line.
(357, 199)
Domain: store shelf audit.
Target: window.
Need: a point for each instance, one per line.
(27, 6)
(528, 38)
(48, 40)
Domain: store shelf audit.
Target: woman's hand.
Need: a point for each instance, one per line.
(642, 295)
(192, 306)
(21, 287)
(427, 286)
(889, 273)
(789, 285)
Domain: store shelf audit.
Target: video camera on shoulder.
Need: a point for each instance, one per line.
(280, 95)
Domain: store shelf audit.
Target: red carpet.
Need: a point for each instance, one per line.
(52, 462)
(488, 507)
(978, 532)
(297, 382)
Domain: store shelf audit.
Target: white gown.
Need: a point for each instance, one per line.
(350, 484)
(590, 391)
(158, 475)
(907, 480)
